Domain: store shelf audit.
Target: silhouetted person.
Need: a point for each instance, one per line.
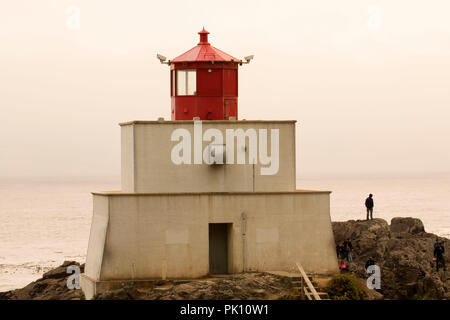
(436, 242)
(370, 262)
(340, 251)
(343, 251)
(348, 250)
(369, 206)
(439, 255)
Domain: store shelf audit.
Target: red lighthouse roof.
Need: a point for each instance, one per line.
(204, 51)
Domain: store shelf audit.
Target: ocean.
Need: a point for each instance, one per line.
(44, 222)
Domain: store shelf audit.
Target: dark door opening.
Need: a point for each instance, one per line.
(218, 248)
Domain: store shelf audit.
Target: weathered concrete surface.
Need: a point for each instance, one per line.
(145, 236)
(404, 252)
(157, 226)
(146, 148)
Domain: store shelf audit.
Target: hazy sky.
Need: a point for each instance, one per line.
(367, 81)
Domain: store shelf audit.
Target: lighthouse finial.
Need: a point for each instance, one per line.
(203, 36)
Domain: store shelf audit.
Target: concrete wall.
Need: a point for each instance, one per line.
(158, 235)
(127, 158)
(147, 164)
(157, 226)
(97, 236)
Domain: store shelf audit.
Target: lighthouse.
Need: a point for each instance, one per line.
(204, 82)
(205, 193)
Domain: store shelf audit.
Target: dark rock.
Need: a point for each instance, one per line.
(125, 293)
(407, 225)
(61, 271)
(239, 286)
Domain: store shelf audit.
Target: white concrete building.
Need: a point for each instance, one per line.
(188, 220)
(205, 197)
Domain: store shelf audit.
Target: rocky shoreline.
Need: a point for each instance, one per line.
(403, 251)
(52, 286)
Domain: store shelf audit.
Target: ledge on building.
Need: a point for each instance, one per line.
(128, 123)
(120, 193)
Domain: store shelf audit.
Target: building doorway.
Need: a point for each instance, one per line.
(218, 247)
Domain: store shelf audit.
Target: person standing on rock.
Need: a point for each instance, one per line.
(369, 206)
(439, 255)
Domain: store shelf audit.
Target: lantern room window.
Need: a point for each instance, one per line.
(186, 82)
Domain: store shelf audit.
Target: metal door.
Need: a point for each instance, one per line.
(218, 248)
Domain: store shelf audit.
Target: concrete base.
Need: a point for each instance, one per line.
(166, 236)
(93, 287)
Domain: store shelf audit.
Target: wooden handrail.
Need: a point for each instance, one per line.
(308, 282)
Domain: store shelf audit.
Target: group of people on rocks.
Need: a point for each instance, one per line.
(344, 252)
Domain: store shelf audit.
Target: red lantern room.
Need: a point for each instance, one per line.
(204, 82)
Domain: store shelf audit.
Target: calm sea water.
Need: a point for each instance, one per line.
(43, 223)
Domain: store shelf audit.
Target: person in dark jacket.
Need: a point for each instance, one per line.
(436, 243)
(348, 250)
(439, 256)
(369, 206)
(370, 262)
(338, 250)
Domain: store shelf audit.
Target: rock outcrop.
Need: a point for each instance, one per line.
(404, 253)
(52, 286)
(243, 286)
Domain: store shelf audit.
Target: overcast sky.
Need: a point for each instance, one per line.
(367, 81)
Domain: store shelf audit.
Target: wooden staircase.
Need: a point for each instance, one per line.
(304, 286)
(307, 294)
(307, 287)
